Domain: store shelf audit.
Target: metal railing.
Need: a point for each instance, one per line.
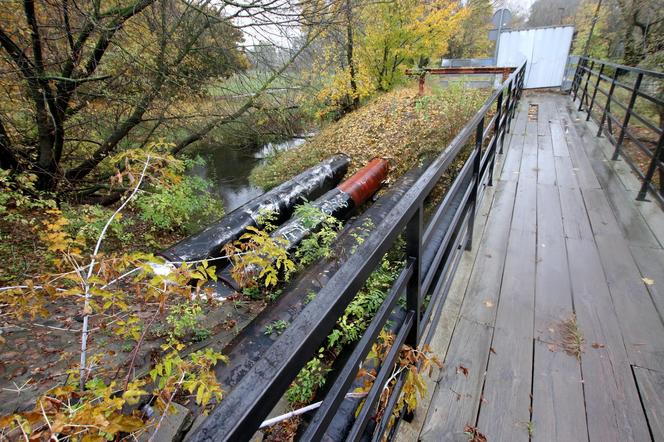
(635, 137)
(241, 412)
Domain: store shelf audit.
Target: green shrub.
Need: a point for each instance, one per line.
(86, 223)
(308, 380)
(185, 319)
(185, 206)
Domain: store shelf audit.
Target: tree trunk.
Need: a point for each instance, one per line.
(7, 158)
(352, 99)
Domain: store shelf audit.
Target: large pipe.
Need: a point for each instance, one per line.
(337, 203)
(281, 200)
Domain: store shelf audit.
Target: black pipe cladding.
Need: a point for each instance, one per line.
(310, 184)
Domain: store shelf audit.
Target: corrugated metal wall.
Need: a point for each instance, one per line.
(546, 50)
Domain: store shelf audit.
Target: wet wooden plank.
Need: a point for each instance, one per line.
(613, 409)
(553, 300)
(525, 206)
(546, 166)
(654, 216)
(520, 119)
(584, 171)
(601, 216)
(630, 219)
(575, 218)
(651, 387)
(558, 140)
(512, 164)
(565, 175)
(509, 372)
(456, 399)
(642, 326)
(558, 406)
(650, 263)
(545, 114)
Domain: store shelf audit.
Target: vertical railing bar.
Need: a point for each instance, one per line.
(577, 74)
(607, 107)
(414, 231)
(585, 86)
(496, 132)
(592, 101)
(479, 130)
(509, 107)
(383, 375)
(501, 126)
(656, 158)
(628, 114)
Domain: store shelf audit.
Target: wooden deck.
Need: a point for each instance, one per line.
(564, 256)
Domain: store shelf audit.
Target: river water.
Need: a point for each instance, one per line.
(229, 168)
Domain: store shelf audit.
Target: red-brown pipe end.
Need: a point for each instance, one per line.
(366, 181)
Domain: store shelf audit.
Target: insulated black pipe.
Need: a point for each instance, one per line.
(338, 203)
(310, 184)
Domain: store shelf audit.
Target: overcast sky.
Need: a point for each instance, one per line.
(522, 5)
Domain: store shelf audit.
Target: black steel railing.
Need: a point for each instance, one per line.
(242, 411)
(637, 98)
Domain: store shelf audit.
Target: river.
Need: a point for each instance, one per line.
(229, 168)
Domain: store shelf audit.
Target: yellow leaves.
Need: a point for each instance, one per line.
(258, 256)
(132, 396)
(53, 232)
(648, 281)
(129, 328)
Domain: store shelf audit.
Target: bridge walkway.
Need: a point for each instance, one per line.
(553, 330)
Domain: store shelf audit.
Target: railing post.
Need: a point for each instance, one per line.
(578, 73)
(508, 107)
(592, 100)
(585, 86)
(499, 116)
(414, 231)
(477, 165)
(607, 108)
(656, 158)
(628, 114)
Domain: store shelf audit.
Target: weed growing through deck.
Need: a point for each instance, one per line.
(572, 338)
(318, 245)
(308, 380)
(277, 327)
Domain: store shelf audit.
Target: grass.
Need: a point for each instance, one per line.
(572, 338)
(399, 126)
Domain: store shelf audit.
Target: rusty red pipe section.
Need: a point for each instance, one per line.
(366, 181)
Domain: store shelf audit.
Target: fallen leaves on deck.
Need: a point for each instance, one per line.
(474, 434)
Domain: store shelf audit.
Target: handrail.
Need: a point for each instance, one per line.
(648, 72)
(590, 73)
(241, 412)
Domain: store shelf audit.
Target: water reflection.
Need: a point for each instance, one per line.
(229, 170)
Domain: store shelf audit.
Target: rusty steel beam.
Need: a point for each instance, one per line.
(422, 73)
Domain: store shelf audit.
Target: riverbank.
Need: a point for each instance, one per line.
(398, 125)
